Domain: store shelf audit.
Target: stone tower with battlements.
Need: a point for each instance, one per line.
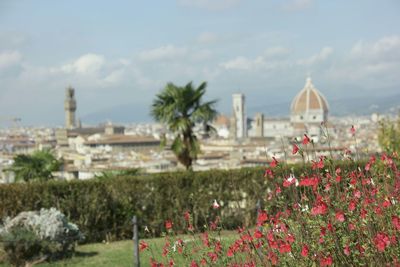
(70, 108)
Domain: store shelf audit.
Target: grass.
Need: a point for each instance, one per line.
(120, 254)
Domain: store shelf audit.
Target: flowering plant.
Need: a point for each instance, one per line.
(323, 217)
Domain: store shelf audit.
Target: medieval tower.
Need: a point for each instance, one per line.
(239, 115)
(70, 108)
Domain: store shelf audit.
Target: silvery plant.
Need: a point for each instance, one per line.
(49, 226)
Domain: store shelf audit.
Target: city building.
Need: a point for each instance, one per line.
(308, 110)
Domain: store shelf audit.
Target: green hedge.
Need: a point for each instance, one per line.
(103, 208)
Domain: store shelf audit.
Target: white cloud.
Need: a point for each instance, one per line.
(214, 5)
(86, 64)
(321, 56)
(371, 64)
(242, 63)
(167, 52)
(385, 49)
(9, 59)
(297, 5)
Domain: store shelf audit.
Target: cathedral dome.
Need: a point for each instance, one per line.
(309, 99)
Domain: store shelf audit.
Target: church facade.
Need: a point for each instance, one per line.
(308, 110)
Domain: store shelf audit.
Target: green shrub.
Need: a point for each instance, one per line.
(103, 209)
(21, 246)
(35, 236)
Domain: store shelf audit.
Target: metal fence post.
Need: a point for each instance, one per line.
(136, 259)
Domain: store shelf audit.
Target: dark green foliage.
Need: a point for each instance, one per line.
(22, 245)
(389, 135)
(180, 107)
(37, 166)
(103, 208)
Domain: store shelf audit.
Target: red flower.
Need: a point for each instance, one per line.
(289, 181)
(319, 209)
(205, 240)
(262, 218)
(381, 241)
(325, 261)
(352, 130)
(346, 250)
(396, 222)
(285, 247)
(213, 256)
(229, 253)
(274, 163)
(306, 140)
(168, 224)
(171, 262)
(258, 234)
(143, 245)
(363, 213)
(203, 262)
(295, 149)
(352, 205)
(340, 216)
(304, 251)
(269, 173)
(273, 258)
(194, 264)
(186, 215)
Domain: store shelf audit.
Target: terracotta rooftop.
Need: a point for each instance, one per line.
(122, 139)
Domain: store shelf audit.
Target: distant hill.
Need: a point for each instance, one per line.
(129, 113)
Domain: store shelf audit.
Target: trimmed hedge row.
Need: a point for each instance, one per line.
(103, 208)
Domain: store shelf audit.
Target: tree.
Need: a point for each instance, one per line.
(38, 166)
(180, 108)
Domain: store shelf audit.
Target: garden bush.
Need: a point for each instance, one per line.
(103, 209)
(37, 236)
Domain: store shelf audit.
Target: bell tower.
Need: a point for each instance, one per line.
(70, 108)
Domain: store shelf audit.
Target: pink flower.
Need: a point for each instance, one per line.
(319, 209)
(168, 224)
(340, 216)
(346, 250)
(186, 215)
(215, 205)
(396, 222)
(258, 234)
(295, 149)
(326, 261)
(304, 251)
(143, 245)
(381, 241)
(262, 218)
(352, 130)
(274, 163)
(306, 140)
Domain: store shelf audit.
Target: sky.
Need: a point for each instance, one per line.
(124, 52)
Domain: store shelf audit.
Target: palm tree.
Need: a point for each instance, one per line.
(38, 166)
(180, 108)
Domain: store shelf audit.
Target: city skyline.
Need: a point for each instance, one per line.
(124, 54)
